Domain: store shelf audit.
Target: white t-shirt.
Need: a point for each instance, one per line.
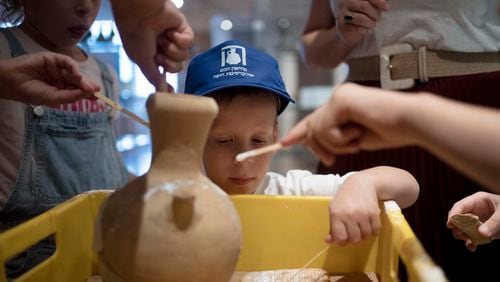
(451, 25)
(12, 123)
(301, 183)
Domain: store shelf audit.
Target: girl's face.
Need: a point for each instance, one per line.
(243, 124)
(59, 24)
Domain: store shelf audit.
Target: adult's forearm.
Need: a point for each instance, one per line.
(466, 137)
(137, 10)
(323, 48)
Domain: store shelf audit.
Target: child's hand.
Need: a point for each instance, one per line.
(354, 211)
(43, 79)
(487, 207)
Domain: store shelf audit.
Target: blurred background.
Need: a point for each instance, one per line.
(274, 26)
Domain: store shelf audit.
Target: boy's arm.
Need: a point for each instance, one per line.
(392, 183)
(354, 210)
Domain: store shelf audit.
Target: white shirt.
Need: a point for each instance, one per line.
(451, 25)
(301, 183)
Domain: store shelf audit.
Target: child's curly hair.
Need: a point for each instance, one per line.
(11, 12)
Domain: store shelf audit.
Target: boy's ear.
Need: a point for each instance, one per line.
(275, 132)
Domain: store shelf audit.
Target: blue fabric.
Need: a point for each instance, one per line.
(234, 64)
(64, 154)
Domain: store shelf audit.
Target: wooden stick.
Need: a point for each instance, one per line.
(253, 153)
(274, 147)
(120, 108)
(309, 262)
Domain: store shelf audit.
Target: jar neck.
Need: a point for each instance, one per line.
(178, 142)
(183, 160)
(179, 128)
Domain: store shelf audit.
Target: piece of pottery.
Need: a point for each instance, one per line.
(173, 223)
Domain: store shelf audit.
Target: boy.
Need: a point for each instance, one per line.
(247, 85)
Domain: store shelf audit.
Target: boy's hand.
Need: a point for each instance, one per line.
(487, 207)
(43, 79)
(354, 212)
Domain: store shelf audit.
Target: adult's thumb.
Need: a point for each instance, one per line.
(491, 228)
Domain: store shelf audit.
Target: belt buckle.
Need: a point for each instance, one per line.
(386, 80)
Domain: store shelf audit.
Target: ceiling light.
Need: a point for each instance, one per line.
(178, 3)
(226, 25)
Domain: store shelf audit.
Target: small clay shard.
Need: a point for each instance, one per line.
(469, 224)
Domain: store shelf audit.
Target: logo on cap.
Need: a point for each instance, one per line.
(233, 61)
(231, 55)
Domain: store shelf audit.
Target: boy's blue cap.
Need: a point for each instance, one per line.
(233, 64)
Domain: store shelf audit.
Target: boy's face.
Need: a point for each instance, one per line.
(59, 24)
(245, 123)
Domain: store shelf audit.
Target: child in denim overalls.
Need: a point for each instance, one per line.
(50, 154)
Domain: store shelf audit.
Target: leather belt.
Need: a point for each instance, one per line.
(399, 65)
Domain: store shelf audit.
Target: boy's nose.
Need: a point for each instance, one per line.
(240, 148)
(248, 161)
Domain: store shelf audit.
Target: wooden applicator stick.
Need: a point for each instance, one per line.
(120, 108)
(253, 153)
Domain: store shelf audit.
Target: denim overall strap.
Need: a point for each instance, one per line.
(63, 154)
(16, 49)
(107, 79)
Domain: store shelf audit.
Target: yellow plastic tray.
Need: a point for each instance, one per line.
(279, 232)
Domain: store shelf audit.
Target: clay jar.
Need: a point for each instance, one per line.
(172, 224)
